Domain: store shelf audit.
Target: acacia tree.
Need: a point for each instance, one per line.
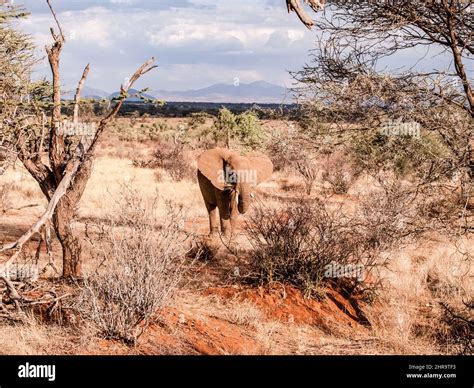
(16, 62)
(348, 102)
(64, 176)
(382, 28)
(344, 84)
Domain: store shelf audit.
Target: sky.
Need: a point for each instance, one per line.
(197, 43)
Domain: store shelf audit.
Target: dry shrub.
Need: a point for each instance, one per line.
(295, 245)
(338, 172)
(172, 158)
(390, 217)
(446, 209)
(449, 289)
(244, 314)
(141, 263)
(276, 151)
(268, 334)
(282, 150)
(7, 158)
(290, 186)
(203, 250)
(456, 328)
(308, 170)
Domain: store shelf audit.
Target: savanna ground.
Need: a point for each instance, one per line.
(220, 305)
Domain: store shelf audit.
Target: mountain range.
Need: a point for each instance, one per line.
(255, 92)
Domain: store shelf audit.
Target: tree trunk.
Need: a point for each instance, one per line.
(71, 245)
(63, 218)
(458, 63)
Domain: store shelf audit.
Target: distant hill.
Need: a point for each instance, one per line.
(87, 92)
(259, 92)
(255, 92)
(133, 93)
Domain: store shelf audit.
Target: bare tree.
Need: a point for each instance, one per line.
(63, 179)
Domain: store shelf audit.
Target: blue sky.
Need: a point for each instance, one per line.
(196, 42)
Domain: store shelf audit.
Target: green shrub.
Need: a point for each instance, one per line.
(144, 132)
(198, 119)
(244, 129)
(249, 130)
(404, 155)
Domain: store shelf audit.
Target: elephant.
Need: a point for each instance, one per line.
(226, 180)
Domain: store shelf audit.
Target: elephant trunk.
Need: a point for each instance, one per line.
(244, 198)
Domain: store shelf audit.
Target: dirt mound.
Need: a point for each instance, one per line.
(188, 329)
(288, 304)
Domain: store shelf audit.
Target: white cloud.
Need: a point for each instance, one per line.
(295, 35)
(196, 43)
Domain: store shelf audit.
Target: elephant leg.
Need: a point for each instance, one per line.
(209, 196)
(213, 222)
(223, 203)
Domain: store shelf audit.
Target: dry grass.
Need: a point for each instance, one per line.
(407, 317)
(32, 338)
(111, 174)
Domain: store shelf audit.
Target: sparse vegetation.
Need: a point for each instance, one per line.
(282, 149)
(141, 264)
(338, 172)
(308, 170)
(399, 230)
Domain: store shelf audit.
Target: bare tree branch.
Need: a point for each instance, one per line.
(77, 96)
(61, 36)
(295, 5)
(12, 291)
(56, 154)
(142, 70)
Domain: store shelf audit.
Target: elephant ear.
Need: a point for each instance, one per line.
(211, 163)
(263, 166)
